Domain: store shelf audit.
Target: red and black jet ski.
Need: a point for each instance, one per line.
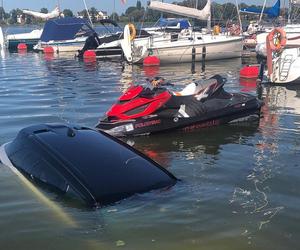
(200, 104)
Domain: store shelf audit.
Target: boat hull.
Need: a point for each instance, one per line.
(216, 48)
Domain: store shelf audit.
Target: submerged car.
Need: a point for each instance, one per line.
(83, 163)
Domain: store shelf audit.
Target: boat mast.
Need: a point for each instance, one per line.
(87, 11)
(262, 11)
(209, 19)
(239, 16)
(290, 12)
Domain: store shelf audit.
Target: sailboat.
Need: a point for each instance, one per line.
(188, 44)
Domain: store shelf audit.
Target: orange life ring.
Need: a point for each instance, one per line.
(132, 31)
(277, 39)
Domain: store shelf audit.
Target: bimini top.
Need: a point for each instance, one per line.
(84, 163)
(67, 28)
(173, 22)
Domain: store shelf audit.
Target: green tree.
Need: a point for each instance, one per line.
(67, 13)
(83, 13)
(28, 20)
(2, 13)
(44, 10)
(138, 5)
(93, 13)
(114, 16)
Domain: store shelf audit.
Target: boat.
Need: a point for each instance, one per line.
(204, 103)
(180, 47)
(65, 34)
(83, 164)
(30, 39)
(283, 63)
(108, 45)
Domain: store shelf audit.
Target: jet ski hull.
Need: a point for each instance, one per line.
(242, 107)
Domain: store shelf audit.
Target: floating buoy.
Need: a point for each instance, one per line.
(48, 50)
(89, 54)
(22, 46)
(151, 61)
(249, 72)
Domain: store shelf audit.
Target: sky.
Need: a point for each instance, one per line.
(77, 5)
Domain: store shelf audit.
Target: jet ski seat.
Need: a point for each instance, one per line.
(195, 88)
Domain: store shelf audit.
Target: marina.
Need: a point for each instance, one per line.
(99, 151)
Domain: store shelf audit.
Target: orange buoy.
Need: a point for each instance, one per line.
(151, 61)
(249, 72)
(22, 46)
(89, 54)
(48, 50)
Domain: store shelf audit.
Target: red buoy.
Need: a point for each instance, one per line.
(22, 46)
(151, 61)
(249, 72)
(89, 54)
(48, 50)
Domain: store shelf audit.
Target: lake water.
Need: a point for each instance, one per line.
(240, 183)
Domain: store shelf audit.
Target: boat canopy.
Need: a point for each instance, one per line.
(271, 12)
(67, 28)
(167, 22)
(203, 14)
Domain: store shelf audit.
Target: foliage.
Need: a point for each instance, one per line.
(44, 10)
(68, 13)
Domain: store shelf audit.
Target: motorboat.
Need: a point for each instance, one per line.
(204, 103)
(30, 39)
(83, 164)
(65, 34)
(109, 44)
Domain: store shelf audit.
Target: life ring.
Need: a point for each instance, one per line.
(132, 31)
(277, 39)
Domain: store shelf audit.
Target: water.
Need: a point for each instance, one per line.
(239, 187)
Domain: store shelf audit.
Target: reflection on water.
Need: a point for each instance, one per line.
(239, 183)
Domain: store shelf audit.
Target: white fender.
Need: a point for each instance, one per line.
(126, 44)
(1, 39)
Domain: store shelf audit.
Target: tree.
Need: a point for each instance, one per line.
(93, 13)
(67, 13)
(44, 10)
(2, 13)
(83, 13)
(114, 16)
(138, 5)
(28, 20)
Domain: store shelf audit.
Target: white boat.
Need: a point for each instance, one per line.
(285, 67)
(179, 47)
(64, 34)
(30, 39)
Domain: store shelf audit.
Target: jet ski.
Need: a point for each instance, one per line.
(204, 103)
(82, 163)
